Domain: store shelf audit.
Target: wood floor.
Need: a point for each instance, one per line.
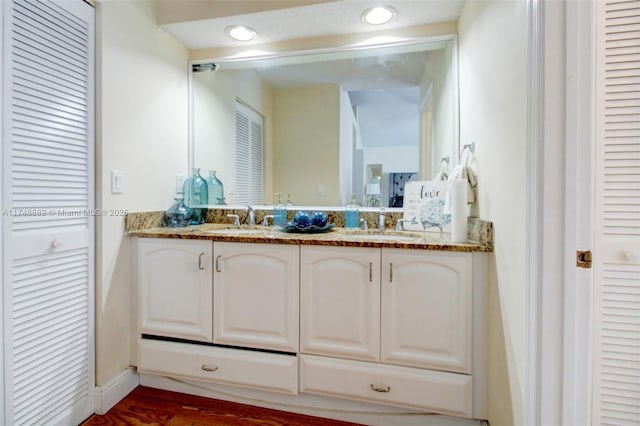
(147, 406)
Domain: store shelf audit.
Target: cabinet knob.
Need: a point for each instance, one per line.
(632, 256)
(381, 389)
(207, 368)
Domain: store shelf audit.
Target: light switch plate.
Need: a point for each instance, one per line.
(180, 178)
(117, 182)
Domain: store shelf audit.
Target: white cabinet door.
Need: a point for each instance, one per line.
(340, 302)
(426, 309)
(175, 288)
(256, 288)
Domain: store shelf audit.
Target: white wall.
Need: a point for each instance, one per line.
(306, 147)
(214, 104)
(348, 132)
(493, 113)
(400, 158)
(141, 130)
(444, 134)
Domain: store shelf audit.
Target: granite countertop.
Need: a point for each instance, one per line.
(338, 236)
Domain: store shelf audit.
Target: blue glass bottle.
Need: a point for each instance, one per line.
(196, 196)
(216, 188)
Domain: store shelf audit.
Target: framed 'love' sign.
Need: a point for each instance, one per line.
(423, 208)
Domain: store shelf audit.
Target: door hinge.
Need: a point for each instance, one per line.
(584, 259)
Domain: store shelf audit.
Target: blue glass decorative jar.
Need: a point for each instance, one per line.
(178, 215)
(319, 219)
(196, 196)
(216, 188)
(302, 219)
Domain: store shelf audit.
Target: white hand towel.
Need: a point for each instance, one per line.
(442, 174)
(465, 172)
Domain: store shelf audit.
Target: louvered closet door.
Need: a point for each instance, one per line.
(616, 380)
(249, 156)
(48, 187)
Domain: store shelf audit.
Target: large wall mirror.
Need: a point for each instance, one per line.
(323, 126)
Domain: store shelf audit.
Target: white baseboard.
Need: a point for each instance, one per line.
(115, 390)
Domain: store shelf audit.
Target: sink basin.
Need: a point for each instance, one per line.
(236, 231)
(382, 237)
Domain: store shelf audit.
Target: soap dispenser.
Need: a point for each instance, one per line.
(352, 213)
(279, 212)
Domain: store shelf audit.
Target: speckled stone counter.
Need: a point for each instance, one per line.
(338, 236)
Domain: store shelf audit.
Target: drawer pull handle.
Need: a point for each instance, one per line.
(390, 272)
(200, 264)
(209, 369)
(370, 272)
(218, 263)
(381, 389)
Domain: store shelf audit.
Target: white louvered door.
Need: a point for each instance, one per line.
(616, 361)
(249, 156)
(48, 191)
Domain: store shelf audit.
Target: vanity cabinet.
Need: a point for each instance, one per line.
(340, 302)
(400, 327)
(175, 288)
(387, 325)
(256, 295)
(255, 288)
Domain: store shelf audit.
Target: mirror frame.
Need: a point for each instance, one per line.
(344, 51)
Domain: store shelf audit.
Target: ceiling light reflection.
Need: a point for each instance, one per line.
(378, 15)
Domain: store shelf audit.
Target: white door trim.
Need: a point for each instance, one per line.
(579, 213)
(557, 383)
(549, 259)
(533, 200)
(3, 218)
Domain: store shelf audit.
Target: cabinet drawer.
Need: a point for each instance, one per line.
(259, 370)
(424, 390)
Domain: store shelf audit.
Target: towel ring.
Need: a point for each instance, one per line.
(471, 147)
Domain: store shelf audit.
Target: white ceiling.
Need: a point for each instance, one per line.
(330, 18)
(371, 72)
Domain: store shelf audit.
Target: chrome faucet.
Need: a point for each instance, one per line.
(236, 219)
(363, 224)
(400, 223)
(265, 222)
(381, 220)
(252, 215)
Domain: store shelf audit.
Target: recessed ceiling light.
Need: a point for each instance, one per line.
(240, 33)
(378, 15)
